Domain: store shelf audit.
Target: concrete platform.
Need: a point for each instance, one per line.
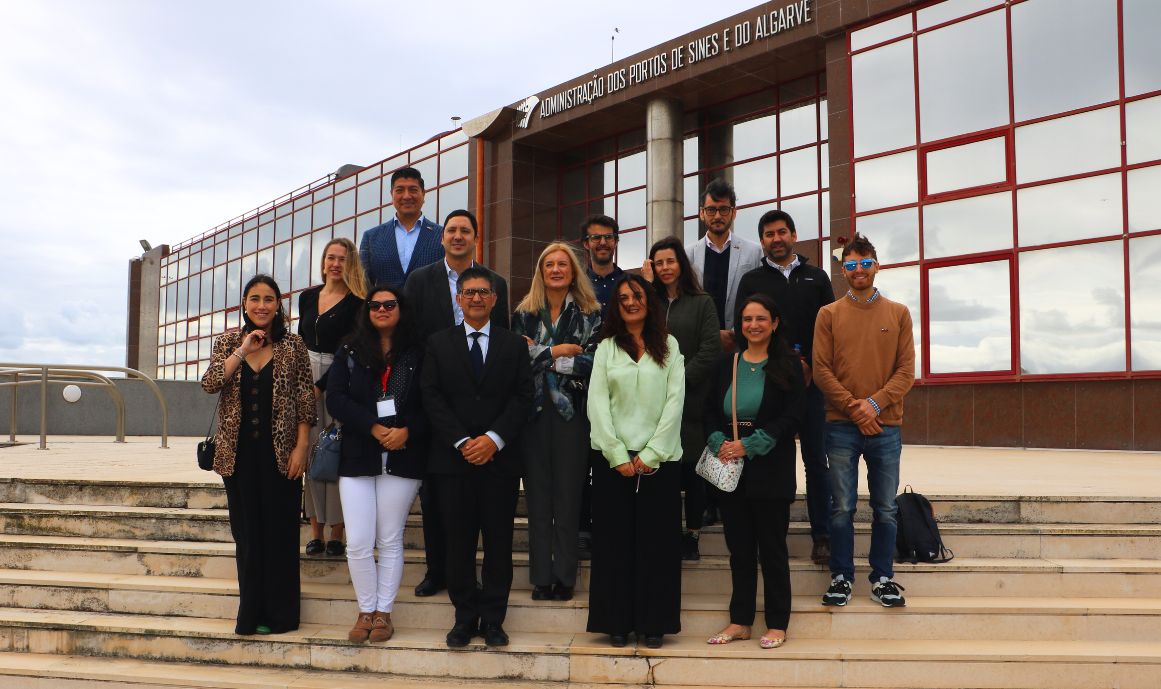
(930, 470)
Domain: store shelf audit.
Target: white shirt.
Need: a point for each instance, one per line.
(486, 335)
(785, 270)
(714, 247)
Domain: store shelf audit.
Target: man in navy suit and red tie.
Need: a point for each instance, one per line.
(477, 390)
(408, 241)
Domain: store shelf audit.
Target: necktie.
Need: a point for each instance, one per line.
(476, 354)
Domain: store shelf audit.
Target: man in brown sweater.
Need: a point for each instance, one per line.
(864, 363)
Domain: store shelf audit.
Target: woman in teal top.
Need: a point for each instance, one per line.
(756, 515)
(636, 394)
(692, 319)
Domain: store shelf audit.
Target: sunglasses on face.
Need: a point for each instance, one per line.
(386, 304)
(865, 264)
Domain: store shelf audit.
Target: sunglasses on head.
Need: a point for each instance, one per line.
(386, 304)
(865, 263)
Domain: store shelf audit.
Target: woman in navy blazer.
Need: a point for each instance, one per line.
(373, 389)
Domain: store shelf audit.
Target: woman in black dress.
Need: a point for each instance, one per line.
(756, 514)
(264, 420)
(326, 315)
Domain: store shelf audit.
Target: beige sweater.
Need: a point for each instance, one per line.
(861, 350)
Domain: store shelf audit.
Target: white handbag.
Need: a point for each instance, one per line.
(723, 476)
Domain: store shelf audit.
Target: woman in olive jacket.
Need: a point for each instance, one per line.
(373, 390)
(692, 319)
(756, 515)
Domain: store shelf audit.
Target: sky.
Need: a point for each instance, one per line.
(123, 120)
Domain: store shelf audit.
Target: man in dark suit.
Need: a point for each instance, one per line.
(408, 241)
(477, 390)
(432, 291)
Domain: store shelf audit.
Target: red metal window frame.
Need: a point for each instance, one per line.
(1008, 131)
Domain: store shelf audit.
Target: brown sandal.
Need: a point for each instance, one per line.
(362, 628)
(381, 627)
(723, 638)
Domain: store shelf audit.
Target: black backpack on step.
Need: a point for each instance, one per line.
(917, 538)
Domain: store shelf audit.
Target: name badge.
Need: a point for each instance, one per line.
(385, 407)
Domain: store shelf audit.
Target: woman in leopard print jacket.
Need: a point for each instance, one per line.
(264, 420)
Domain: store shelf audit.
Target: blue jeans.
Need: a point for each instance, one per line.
(844, 444)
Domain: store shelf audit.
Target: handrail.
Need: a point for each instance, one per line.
(78, 375)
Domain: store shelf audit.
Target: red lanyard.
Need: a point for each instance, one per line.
(386, 375)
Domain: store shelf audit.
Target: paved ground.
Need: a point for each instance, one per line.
(932, 470)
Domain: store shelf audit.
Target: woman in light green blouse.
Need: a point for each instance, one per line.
(636, 394)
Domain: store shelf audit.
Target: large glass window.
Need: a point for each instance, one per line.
(282, 238)
(1036, 183)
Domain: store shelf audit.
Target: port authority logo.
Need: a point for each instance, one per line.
(527, 106)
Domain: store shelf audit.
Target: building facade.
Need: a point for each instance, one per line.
(1004, 158)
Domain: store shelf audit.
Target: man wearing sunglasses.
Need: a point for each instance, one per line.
(477, 391)
(720, 259)
(864, 363)
(800, 290)
(432, 289)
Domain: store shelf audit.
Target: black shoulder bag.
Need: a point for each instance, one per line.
(206, 447)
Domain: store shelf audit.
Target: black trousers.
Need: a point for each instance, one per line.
(471, 504)
(264, 518)
(636, 566)
(434, 538)
(756, 532)
(557, 466)
(692, 485)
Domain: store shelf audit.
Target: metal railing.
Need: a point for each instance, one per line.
(83, 376)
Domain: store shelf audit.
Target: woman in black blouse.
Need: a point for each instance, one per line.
(327, 315)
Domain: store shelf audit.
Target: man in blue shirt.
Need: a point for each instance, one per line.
(408, 241)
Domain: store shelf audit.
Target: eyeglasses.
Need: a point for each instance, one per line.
(386, 304)
(473, 292)
(717, 210)
(865, 263)
(599, 238)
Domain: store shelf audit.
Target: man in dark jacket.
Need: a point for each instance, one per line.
(432, 291)
(800, 290)
(477, 390)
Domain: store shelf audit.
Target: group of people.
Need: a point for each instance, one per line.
(600, 390)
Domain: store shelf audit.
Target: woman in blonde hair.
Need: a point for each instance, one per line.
(560, 318)
(327, 315)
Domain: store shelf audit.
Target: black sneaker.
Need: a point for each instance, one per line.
(886, 593)
(839, 592)
(689, 551)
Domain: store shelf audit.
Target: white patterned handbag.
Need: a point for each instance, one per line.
(723, 476)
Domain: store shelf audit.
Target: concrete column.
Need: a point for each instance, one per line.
(663, 186)
(144, 295)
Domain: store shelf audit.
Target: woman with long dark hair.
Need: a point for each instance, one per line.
(636, 393)
(264, 420)
(560, 318)
(691, 318)
(373, 389)
(756, 515)
(326, 315)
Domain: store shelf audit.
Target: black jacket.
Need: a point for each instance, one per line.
(430, 297)
(353, 391)
(799, 299)
(459, 406)
(769, 476)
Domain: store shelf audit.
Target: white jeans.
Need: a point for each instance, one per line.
(375, 510)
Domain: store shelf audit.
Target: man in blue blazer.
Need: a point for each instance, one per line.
(408, 241)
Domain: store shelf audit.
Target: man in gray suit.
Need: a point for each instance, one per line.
(720, 259)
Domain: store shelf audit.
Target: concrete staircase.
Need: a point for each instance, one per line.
(130, 584)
